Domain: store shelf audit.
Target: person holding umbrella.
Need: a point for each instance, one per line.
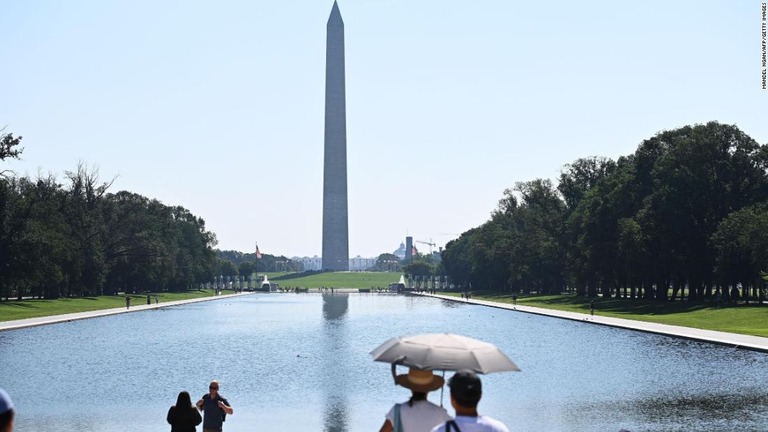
(466, 391)
(418, 414)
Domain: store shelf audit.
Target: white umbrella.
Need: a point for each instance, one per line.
(443, 351)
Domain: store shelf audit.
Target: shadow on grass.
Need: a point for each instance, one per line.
(35, 303)
(17, 304)
(290, 276)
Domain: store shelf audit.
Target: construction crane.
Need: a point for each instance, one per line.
(430, 243)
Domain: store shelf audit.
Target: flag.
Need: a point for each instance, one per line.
(258, 254)
(414, 251)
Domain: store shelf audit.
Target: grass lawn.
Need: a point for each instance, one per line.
(15, 310)
(337, 280)
(749, 319)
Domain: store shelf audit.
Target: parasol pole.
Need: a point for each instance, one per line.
(441, 390)
(397, 361)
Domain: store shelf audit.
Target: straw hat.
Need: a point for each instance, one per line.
(421, 381)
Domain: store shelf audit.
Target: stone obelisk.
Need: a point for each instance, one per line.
(335, 224)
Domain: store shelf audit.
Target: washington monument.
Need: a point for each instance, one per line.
(335, 225)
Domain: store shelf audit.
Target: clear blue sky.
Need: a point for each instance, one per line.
(218, 106)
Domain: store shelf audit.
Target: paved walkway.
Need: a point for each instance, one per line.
(32, 322)
(754, 343)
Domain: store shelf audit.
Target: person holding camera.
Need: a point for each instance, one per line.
(215, 408)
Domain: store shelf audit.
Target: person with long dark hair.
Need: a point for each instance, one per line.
(184, 417)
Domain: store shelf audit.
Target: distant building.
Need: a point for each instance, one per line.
(359, 263)
(400, 252)
(409, 248)
(315, 263)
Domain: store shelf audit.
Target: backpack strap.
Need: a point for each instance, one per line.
(398, 424)
(223, 413)
(450, 425)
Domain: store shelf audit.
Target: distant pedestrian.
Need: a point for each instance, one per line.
(592, 308)
(514, 299)
(127, 302)
(6, 412)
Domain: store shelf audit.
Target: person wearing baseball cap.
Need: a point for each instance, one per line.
(466, 391)
(418, 414)
(6, 412)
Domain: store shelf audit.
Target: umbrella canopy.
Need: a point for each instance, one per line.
(443, 351)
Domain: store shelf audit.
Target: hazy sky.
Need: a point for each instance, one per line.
(218, 106)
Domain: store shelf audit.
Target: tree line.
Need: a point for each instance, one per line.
(75, 238)
(684, 216)
(240, 264)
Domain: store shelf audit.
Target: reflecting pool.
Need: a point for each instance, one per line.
(300, 362)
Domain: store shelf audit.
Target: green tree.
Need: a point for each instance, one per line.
(707, 172)
(420, 266)
(85, 261)
(575, 182)
(388, 262)
(226, 268)
(246, 268)
(9, 146)
(541, 221)
(741, 248)
(578, 177)
(455, 258)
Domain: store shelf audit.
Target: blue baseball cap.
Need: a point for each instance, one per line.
(6, 404)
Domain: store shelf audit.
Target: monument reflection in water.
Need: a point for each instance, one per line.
(336, 361)
(301, 362)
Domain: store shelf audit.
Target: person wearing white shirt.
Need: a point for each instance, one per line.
(418, 414)
(466, 391)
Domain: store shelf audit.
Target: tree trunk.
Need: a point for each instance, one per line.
(662, 290)
(675, 290)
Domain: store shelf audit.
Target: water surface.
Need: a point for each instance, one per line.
(300, 362)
